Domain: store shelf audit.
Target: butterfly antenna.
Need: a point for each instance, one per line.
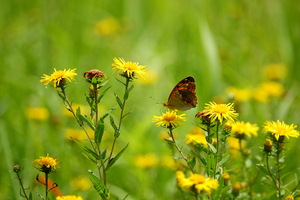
(157, 101)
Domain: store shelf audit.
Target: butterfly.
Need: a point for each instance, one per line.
(183, 96)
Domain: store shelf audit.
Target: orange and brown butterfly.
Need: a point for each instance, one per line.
(183, 96)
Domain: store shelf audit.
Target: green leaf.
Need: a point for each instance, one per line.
(170, 142)
(214, 150)
(113, 160)
(102, 94)
(88, 122)
(223, 161)
(203, 161)
(98, 185)
(99, 131)
(126, 95)
(119, 101)
(201, 146)
(108, 112)
(127, 114)
(103, 154)
(78, 115)
(30, 196)
(113, 125)
(192, 162)
(262, 168)
(88, 150)
(216, 193)
(89, 157)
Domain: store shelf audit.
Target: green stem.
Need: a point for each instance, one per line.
(82, 126)
(217, 154)
(245, 171)
(277, 171)
(21, 184)
(268, 167)
(120, 122)
(173, 139)
(46, 185)
(98, 145)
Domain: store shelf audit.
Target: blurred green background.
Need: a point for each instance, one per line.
(219, 43)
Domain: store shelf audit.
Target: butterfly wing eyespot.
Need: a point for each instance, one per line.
(183, 96)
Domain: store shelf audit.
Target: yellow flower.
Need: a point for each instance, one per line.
(239, 95)
(259, 94)
(81, 183)
(69, 197)
(129, 69)
(45, 164)
(59, 77)
(240, 129)
(170, 119)
(168, 161)
(272, 88)
(107, 26)
(197, 135)
(37, 113)
(289, 197)
(275, 71)
(196, 181)
(146, 161)
(77, 134)
(281, 129)
(220, 112)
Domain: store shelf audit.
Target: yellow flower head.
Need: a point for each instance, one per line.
(59, 77)
(281, 129)
(196, 181)
(275, 71)
(272, 88)
(129, 69)
(197, 135)
(107, 26)
(170, 119)
(45, 164)
(80, 183)
(220, 112)
(239, 95)
(69, 197)
(37, 113)
(289, 197)
(146, 161)
(241, 129)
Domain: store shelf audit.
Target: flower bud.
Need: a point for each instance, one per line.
(17, 168)
(226, 178)
(268, 146)
(236, 189)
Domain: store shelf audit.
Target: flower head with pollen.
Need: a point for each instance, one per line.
(45, 164)
(170, 119)
(196, 182)
(129, 69)
(69, 197)
(220, 112)
(280, 129)
(241, 129)
(59, 78)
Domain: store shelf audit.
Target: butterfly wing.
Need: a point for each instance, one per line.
(183, 96)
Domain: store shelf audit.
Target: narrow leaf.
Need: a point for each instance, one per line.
(126, 95)
(192, 162)
(203, 161)
(108, 112)
(112, 123)
(119, 101)
(214, 150)
(170, 142)
(216, 193)
(98, 185)
(201, 146)
(103, 154)
(127, 114)
(78, 115)
(111, 162)
(223, 161)
(99, 131)
(88, 150)
(88, 122)
(89, 157)
(102, 94)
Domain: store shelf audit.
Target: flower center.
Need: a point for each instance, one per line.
(59, 74)
(169, 117)
(220, 109)
(197, 178)
(130, 66)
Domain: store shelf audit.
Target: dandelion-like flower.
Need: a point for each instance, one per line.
(280, 129)
(220, 112)
(45, 164)
(59, 77)
(241, 129)
(129, 69)
(196, 135)
(196, 182)
(69, 197)
(170, 119)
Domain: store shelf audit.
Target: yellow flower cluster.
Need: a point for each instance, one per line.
(196, 182)
(45, 164)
